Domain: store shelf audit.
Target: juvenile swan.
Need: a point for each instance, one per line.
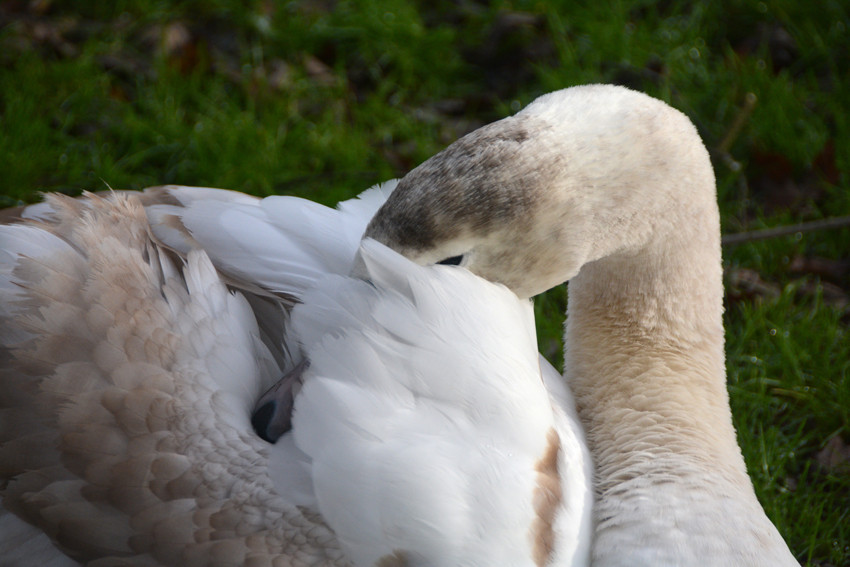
(613, 191)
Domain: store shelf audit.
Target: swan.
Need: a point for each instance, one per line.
(130, 370)
(614, 191)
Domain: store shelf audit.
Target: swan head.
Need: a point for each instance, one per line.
(578, 175)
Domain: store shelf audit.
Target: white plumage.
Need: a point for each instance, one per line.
(439, 436)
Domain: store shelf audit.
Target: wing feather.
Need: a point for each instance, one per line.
(128, 377)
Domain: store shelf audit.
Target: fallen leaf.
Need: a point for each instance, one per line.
(835, 455)
(318, 71)
(832, 295)
(279, 74)
(835, 270)
(744, 283)
(174, 37)
(775, 184)
(824, 164)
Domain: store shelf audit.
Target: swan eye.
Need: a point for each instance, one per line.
(453, 261)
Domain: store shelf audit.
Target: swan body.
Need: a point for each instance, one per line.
(613, 191)
(130, 370)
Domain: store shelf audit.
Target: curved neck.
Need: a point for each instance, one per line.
(645, 361)
(644, 343)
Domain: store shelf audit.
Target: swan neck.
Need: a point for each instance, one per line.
(644, 358)
(644, 339)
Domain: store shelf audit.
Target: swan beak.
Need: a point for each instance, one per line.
(272, 416)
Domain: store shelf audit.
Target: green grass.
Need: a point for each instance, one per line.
(301, 98)
(789, 381)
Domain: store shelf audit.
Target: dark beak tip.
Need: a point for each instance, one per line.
(261, 421)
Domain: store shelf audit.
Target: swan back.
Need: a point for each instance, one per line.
(433, 437)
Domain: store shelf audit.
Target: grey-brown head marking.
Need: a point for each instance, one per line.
(479, 183)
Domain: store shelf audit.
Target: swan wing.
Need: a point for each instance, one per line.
(128, 378)
(439, 443)
(245, 237)
(271, 249)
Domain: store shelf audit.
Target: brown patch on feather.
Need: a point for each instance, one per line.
(398, 558)
(158, 195)
(150, 196)
(173, 221)
(547, 499)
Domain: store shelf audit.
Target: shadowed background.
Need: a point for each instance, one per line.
(322, 99)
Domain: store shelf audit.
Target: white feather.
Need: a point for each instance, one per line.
(425, 432)
(282, 244)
